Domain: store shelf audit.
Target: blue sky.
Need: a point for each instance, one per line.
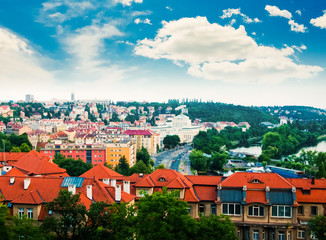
(253, 52)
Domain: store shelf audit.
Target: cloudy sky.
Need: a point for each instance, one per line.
(253, 52)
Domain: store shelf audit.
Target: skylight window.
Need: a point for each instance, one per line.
(162, 179)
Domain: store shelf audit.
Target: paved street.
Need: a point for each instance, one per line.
(177, 159)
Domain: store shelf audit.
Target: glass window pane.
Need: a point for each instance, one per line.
(261, 211)
(256, 211)
(225, 208)
(250, 210)
(238, 209)
(288, 211)
(274, 211)
(231, 209)
(281, 211)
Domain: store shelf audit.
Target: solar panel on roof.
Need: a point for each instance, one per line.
(77, 181)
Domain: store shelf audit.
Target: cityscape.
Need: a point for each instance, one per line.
(129, 119)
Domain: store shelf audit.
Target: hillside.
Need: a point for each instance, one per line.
(212, 112)
(296, 112)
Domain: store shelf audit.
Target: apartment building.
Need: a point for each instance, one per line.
(145, 139)
(89, 153)
(117, 148)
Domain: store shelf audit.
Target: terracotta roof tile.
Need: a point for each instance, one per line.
(32, 197)
(256, 197)
(190, 195)
(204, 180)
(206, 193)
(14, 172)
(100, 172)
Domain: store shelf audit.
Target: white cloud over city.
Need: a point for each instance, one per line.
(224, 53)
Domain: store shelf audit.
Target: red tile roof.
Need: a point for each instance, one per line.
(241, 179)
(256, 197)
(190, 196)
(305, 183)
(315, 196)
(14, 172)
(168, 175)
(138, 132)
(31, 197)
(206, 193)
(100, 172)
(204, 180)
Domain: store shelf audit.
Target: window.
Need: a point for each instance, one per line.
(314, 210)
(301, 234)
(20, 212)
(189, 209)
(30, 212)
(257, 211)
(201, 209)
(94, 155)
(289, 235)
(213, 209)
(300, 210)
(161, 179)
(231, 209)
(255, 235)
(281, 211)
(281, 236)
(306, 192)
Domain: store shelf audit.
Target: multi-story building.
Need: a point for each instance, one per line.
(29, 98)
(2, 127)
(263, 206)
(5, 111)
(116, 149)
(145, 139)
(89, 153)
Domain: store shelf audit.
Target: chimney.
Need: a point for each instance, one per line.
(141, 174)
(313, 180)
(12, 180)
(72, 189)
(113, 182)
(118, 193)
(106, 181)
(126, 186)
(89, 192)
(27, 182)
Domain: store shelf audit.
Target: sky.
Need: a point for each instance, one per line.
(254, 52)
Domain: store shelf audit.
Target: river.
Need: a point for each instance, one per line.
(256, 150)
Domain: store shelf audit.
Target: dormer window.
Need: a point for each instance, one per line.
(256, 181)
(162, 179)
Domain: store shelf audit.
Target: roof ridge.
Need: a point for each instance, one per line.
(40, 195)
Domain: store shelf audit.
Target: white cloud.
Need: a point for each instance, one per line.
(128, 2)
(254, 33)
(145, 21)
(298, 12)
(21, 66)
(228, 13)
(297, 27)
(276, 12)
(222, 53)
(320, 21)
(169, 8)
(50, 14)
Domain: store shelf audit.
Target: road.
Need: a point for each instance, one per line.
(176, 159)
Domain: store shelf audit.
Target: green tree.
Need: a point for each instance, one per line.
(163, 216)
(161, 166)
(321, 164)
(171, 141)
(143, 155)
(218, 160)
(73, 167)
(123, 166)
(198, 160)
(140, 167)
(25, 148)
(264, 158)
(26, 228)
(4, 227)
(15, 149)
(216, 227)
(69, 216)
(317, 226)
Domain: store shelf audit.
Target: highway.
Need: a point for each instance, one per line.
(176, 159)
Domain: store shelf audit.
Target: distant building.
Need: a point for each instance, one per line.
(145, 138)
(116, 149)
(283, 120)
(5, 111)
(72, 97)
(29, 98)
